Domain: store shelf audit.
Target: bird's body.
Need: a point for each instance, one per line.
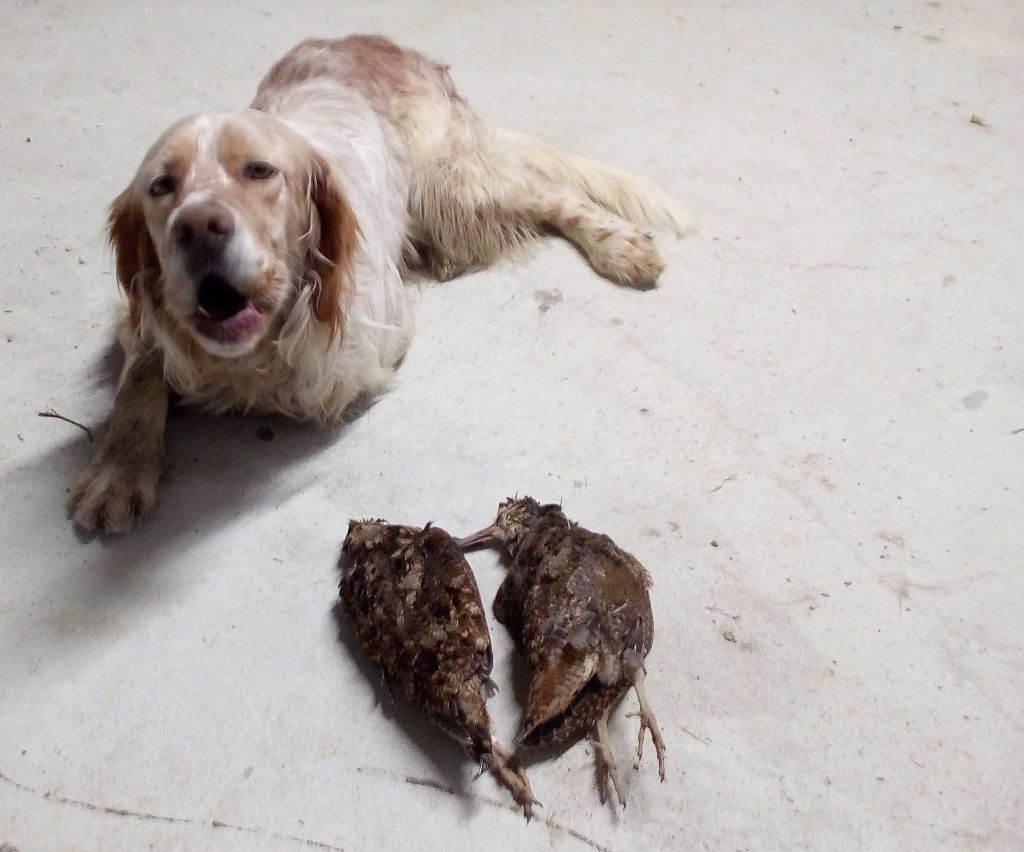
(418, 615)
(579, 608)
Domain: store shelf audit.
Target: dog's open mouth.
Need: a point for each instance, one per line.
(222, 313)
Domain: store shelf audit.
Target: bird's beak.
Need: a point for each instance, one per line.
(484, 536)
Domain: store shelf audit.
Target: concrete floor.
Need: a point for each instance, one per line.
(810, 433)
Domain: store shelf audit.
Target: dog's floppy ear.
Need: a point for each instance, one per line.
(333, 233)
(134, 253)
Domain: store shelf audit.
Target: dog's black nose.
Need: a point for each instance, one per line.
(204, 227)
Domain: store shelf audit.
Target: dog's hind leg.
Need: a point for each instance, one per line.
(615, 248)
(477, 192)
(470, 212)
(466, 200)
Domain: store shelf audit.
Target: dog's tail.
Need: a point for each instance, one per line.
(619, 191)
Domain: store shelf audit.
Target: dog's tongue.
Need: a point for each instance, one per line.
(233, 329)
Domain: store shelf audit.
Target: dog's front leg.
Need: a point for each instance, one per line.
(119, 486)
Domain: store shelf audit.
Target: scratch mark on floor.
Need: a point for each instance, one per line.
(792, 264)
(782, 789)
(143, 816)
(461, 794)
(731, 478)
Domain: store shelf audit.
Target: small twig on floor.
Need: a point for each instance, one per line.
(1017, 431)
(722, 612)
(55, 415)
(697, 737)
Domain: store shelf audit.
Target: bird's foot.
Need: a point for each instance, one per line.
(647, 723)
(606, 767)
(510, 774)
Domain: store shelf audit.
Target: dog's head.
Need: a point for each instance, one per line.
(228, 217)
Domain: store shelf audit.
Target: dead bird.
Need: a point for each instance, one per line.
(578, 605)
(418, 615)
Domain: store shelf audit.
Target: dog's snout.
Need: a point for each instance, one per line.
(206, 225)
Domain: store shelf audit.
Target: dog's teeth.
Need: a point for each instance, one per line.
(203, 311)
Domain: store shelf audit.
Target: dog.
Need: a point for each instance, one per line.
(264, 252)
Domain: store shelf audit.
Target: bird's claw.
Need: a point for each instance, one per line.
(648, 723)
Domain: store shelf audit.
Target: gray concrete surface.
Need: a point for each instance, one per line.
(810, 433)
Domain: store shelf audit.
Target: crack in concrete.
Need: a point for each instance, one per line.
(459, 794)
(143, 816)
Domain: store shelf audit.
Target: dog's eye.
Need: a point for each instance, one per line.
(161, 185)
(260, 170)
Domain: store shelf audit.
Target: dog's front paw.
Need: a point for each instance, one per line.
(627, 256)
(111, 496)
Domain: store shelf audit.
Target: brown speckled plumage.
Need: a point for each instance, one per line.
(578, 606)
(418, 615)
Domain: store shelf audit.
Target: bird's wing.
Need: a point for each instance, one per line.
(555, 686)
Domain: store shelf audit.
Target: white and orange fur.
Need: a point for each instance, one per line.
(356, 162)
